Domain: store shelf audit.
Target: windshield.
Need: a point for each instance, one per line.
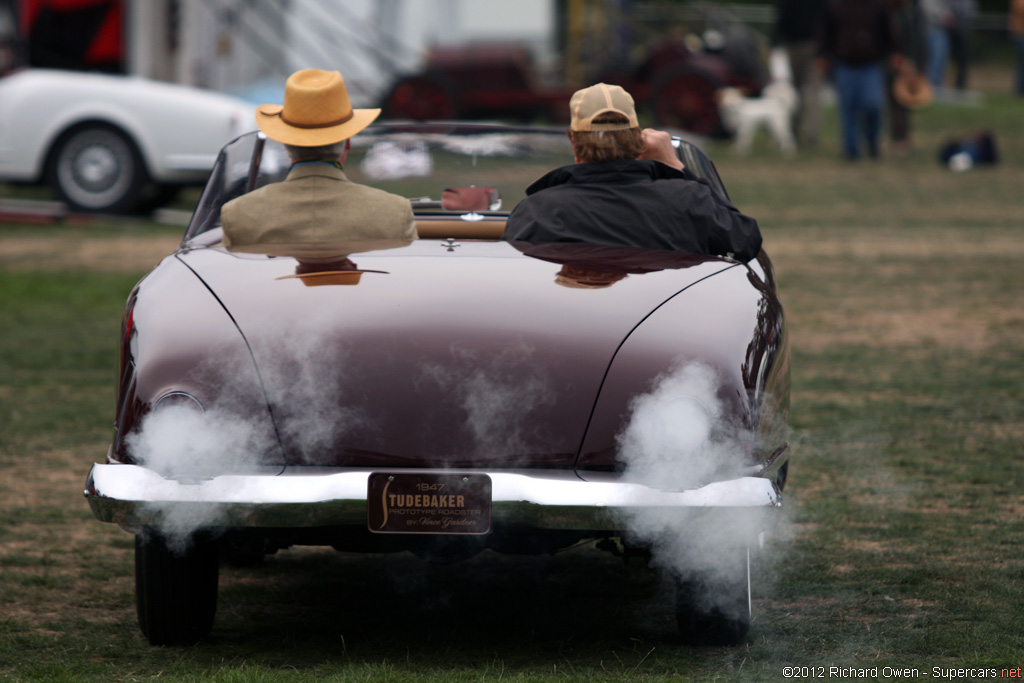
(443, 169)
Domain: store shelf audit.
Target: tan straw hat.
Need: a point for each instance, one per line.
(316, 111)
(912, 89)
(588, 103)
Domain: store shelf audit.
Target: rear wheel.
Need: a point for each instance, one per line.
(175, 587)
(713, 607)
(97, 168)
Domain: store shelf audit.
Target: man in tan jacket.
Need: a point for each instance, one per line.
(316, 203)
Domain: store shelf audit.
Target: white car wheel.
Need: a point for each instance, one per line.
(96, 168)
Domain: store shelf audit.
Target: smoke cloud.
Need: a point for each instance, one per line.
(231, 432)
(180, 442)
(183, 443)
(308, 381)
(305, 371)
(679, 437)
(497, 392)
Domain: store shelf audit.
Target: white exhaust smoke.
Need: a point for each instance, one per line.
(189, 445)
(498, 394)
(679, 437)
(305, 379)
(180, 442)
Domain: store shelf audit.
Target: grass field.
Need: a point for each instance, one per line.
(903, 543)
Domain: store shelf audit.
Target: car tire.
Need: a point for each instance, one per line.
(175, 587)
(97, 168)
(157, 197)
(714, 608)
(684, 97)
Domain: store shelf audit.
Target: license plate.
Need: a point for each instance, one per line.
(418, 503)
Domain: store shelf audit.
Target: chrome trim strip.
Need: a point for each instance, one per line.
(134, 496)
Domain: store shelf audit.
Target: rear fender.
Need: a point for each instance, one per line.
(178, 340)
(731, 326)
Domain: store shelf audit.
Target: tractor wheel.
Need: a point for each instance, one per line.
(683, 97)
(421, 98)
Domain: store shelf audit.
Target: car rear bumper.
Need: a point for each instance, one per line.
(133, 497)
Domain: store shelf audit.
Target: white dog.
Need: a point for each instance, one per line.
(774, 110)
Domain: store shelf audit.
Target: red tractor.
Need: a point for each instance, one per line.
(674, 84)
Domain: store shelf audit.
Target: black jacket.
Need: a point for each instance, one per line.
(797, 21)
(642, 204)
(858, 32)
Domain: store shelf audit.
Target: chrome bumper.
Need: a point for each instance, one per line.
(134, 496)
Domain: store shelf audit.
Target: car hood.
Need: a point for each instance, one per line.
(439, 353)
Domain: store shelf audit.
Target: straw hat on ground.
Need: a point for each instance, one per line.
(316, 111)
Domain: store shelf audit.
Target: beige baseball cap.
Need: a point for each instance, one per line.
(588, 103)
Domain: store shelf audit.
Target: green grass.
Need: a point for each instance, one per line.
(902, 543)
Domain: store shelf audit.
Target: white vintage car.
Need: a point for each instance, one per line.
(109, 143)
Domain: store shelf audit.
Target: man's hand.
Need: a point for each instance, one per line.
(658, 147)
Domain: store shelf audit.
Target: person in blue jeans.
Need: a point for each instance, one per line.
(938, 17)
(857, 38)
(1016, 26)
(960, 37)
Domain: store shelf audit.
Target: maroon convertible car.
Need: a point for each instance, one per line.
(445, 396)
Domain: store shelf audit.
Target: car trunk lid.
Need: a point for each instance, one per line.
(441, 354)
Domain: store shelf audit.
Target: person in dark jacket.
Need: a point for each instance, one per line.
(858, 37)
(797, 24)
(628, 188)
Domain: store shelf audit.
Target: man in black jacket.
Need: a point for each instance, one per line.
(797, 24)
(628, 188)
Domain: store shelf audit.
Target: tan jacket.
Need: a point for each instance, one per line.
(1017, 18)
(316, 203)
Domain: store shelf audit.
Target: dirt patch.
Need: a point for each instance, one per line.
(933, 327)
(892, 289)
(888, 244)
(123, 253)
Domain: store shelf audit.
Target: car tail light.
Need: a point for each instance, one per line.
(127, 333)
